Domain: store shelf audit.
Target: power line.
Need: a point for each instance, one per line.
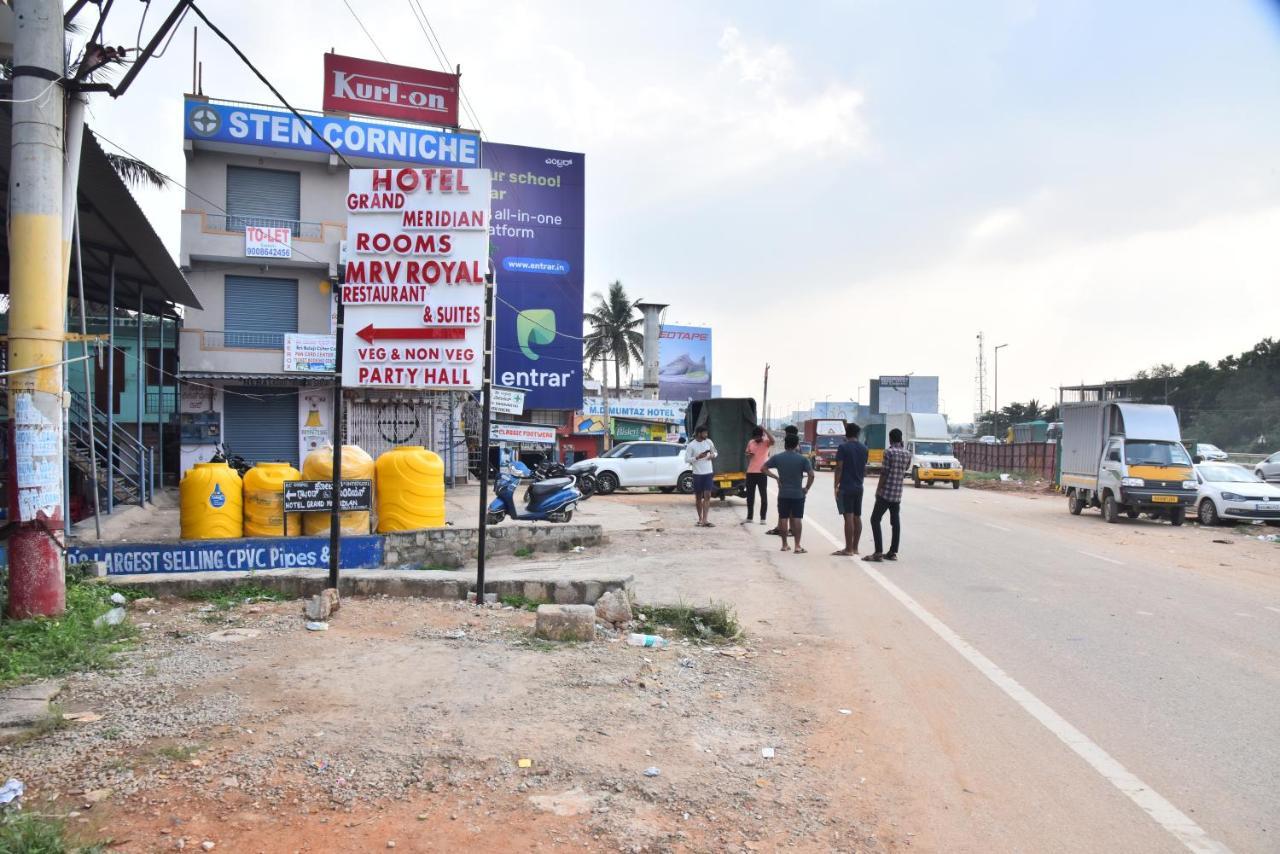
(366, 31)
(433, 40)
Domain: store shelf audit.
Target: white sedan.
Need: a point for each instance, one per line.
(1209, 453)
(1231, 492)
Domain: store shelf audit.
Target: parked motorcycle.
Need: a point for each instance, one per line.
(584, 477)
(238, 463)
(551, 500)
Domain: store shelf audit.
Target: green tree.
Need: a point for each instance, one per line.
(614, 333)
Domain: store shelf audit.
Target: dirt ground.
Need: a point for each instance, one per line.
(407, 723)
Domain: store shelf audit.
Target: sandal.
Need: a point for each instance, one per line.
(875, 558)
(843, 553)
(785, 547)
(801, 551)
(891, 556)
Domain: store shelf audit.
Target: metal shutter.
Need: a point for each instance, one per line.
(262, 428)
(258, 311)
(265, 197)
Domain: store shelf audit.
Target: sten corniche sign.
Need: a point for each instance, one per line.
(309, 496)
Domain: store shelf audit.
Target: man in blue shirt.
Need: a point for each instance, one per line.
(851, 467)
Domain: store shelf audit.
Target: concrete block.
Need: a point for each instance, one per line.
(566, 622)
(564, 593)
(534, 591)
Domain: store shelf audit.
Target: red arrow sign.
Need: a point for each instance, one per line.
(433, 333)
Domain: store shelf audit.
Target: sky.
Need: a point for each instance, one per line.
(849, 188)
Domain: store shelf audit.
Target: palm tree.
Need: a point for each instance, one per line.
(614, 334)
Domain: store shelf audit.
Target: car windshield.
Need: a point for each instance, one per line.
(937, 449)
(826, 443)
(617, 451)
(1138, 453)
(1205, 446)
(1226, 474)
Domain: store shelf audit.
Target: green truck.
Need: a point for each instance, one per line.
(729, 421)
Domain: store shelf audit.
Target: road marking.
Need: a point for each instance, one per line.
(1168, 816)
(998, 528)
(1269, 608)
(1102, 557)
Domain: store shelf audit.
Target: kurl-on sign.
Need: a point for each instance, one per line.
(395, 91)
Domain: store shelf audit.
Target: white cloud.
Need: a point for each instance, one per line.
(996, 224)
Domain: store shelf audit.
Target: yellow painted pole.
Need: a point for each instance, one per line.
(37, 312)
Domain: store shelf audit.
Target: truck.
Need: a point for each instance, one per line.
(928, 440)
(730, 422)
(825, 435)
(1126, 458)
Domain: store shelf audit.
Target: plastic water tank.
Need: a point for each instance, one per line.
(410, 489)
(356, 465)
(212, 503)
(264, 501)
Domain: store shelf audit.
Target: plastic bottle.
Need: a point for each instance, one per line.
(655, 641)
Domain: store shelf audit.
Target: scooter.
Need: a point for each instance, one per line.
(551, 500)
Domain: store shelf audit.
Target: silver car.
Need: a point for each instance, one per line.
(1269, 469)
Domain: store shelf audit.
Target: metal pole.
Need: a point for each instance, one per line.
(995, 413)
(764, 403)
(111, 389)
(486, 385)
(88, 387)
(66, 458)
(38, 255)
(335, 542)
(159, 401)
(453, 449)
(141, 363)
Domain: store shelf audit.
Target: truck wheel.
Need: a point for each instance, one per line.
(955, 484)
(1110, 509)
(606, 483)
(1177, 516)
(1075, 504)
(1208, 514)
(915, 476)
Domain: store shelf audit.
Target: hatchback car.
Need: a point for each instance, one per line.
(659, 464)
(1269, 469)
(1230, 492)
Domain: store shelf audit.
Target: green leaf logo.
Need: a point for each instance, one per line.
(535, 326)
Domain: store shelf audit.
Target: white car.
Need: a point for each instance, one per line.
(988, 440)
(1230, 492)
(1208, 453)
(659, 464)
(1269, 469)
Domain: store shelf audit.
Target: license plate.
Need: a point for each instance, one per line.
(1165, 499)
(724, 484)
(1267, 508)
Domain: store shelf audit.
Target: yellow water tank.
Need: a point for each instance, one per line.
(212, 503)
(264, 514)
(356, 465)
(410, 489)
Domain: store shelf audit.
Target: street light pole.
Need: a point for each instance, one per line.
(995, 414)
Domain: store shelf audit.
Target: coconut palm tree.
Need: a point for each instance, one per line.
(614, 334)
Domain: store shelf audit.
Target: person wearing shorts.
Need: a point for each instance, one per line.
(699, 455)
(851, 467)
(790, 469)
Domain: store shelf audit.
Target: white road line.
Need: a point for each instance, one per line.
(1172, 819)
(1102, 557)
(998, 528)
(1269, 608)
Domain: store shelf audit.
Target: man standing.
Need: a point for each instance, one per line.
(889, 496)
(791, 467)
(757, 454)
(699, 453)
(851, 467)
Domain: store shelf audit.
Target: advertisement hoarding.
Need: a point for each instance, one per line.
(522, 434)
(684, 362)
(309, 354)
(264, 242)
(537, 245)
(269, 128)
(506, 401)
(671, 411)
(354, 85)
(413, 291)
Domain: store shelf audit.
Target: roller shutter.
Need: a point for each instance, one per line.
(258, 311)
(262, 428)
(265, 197)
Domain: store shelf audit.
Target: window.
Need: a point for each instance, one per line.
(162, 365)
(259, 311)
(265, 197)
(668, 450)
(644, 451)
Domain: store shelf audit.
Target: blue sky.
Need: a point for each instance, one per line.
(845, 189)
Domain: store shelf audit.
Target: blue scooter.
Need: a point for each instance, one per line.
(552, 500)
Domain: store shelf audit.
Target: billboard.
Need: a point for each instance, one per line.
(684, 362)
(536, 242)
(354, 85)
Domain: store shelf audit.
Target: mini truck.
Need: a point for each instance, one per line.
(729, 421)
(825, 435)
(928, 440)
(1125, 457)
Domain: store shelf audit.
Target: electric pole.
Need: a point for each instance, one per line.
(37, 312)
(764, 403)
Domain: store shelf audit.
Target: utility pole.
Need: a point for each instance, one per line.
(37, 313)
(764, 403)
(995, 415)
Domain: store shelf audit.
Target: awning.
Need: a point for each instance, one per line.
(258, 379)
(111, 226)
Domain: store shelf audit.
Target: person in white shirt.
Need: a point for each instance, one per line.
(699, 453)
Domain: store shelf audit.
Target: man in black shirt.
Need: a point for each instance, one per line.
(851, 467)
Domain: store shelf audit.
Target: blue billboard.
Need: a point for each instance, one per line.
(244, 125)
(536, 241)
(684, 362)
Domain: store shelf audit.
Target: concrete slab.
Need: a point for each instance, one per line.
(26, 705)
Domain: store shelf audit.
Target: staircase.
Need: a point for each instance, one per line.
(132, 477)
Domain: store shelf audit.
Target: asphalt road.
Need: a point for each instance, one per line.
(1105, 686)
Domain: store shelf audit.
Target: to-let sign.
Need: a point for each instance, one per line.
(371, 88)
(413, 291)
(267, 242)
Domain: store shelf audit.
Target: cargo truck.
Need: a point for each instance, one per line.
(825, 435)
(928, 440)
(1125, 458)
(730, 422)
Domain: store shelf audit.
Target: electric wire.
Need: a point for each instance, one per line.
(366, 30)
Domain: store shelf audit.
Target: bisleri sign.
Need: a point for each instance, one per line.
(413, 289)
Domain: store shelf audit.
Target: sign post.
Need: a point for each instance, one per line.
(486, 403)
(334, 528)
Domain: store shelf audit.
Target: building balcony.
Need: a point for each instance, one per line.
(221, 237)
(233, 351)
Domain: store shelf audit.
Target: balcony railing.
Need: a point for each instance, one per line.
(236, 224)
(241, 339)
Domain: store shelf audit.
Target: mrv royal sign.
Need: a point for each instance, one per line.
(413, 288)
(395, 91)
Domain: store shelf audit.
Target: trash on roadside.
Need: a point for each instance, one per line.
(687, 662)
(1225, 542)
(11, 791)
(1004, 477)
(845, 711)
(652, 771)
(118, 599)
(766, 752)
(524, 763)
(1269, 538)
(737, 652)
(82, 717)
(579, 549)
(114, 617)
(317, 626)
(654, 641)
